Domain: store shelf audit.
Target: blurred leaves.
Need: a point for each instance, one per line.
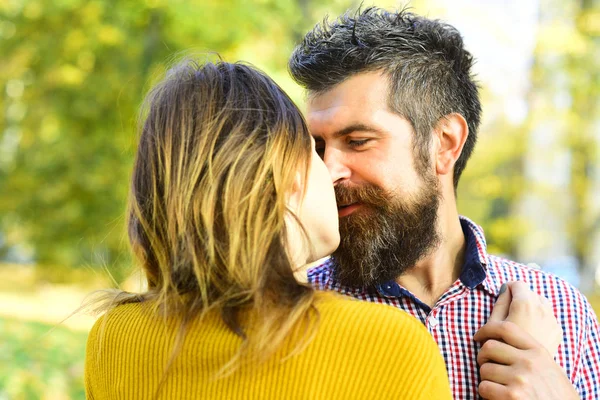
(73, 75)
(492, 185)
(39, 362)
(566, 86)
(560, 134)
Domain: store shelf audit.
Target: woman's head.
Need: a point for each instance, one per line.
(224, 161)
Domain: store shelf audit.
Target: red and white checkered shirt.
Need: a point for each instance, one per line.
(467, 304)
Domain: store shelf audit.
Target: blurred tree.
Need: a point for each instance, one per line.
(584, 138)
(492, 184)
(564, 137)
(73, 75)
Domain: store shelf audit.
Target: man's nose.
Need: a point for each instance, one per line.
(336, 163)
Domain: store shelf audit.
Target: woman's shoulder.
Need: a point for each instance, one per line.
(384, 327)
(382, 345)
(122, 313)
(366, 314)
(119, 320)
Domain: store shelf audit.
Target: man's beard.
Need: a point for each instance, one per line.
(387, 235)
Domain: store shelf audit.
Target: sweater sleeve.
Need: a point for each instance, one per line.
(91, 361)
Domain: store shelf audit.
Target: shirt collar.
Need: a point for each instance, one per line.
(476, 268)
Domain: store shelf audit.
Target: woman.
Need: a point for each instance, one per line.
(228, 200)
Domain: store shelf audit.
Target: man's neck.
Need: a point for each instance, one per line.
(434, 274)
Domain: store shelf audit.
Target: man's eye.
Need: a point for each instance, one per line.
(357, 143)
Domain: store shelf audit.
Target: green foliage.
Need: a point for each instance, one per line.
(37, 362)
(567, 70)
(73, 75)
(492, 185)
(565, 82)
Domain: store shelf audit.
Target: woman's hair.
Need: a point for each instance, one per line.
(220, 149)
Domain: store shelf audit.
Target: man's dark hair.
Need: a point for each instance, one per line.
(426, 62)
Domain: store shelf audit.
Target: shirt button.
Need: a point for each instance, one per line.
(433, 322)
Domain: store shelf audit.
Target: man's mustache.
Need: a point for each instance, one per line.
(365, 193)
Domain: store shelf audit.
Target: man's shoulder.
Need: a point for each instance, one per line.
(506, 270)
(556, 289)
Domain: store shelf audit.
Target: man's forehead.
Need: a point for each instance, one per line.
(356, 100)
(329, 120)
(360, 89)
(340, 120)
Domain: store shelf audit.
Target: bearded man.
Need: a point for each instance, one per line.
(394, 110)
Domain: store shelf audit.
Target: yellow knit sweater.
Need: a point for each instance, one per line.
(361, 351)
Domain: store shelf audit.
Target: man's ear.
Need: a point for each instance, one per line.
(452, 132)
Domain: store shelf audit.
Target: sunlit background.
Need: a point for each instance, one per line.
(73, 74)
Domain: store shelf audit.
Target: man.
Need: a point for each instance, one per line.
(394, 109)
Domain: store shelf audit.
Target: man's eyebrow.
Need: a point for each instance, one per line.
(356, 128)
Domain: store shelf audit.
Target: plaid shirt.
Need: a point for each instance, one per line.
(467, 304)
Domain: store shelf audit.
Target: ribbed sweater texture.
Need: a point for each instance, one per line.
(360, 351)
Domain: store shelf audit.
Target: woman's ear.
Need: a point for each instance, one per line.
(296, 240)
(295, 196)
(452, 132)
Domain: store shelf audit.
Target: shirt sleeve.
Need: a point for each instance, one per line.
(588, 384)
